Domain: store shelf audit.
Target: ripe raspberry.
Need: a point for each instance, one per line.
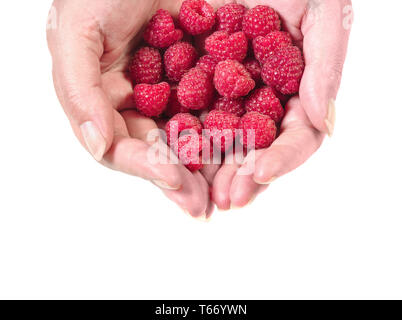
(190, 150)
(146, 66)
(235, 106)
(264, 101)
(151, 99)
(195, 89)
(260, 21)
(283, 98)
(254, 68)
(230, 17)
(174, 107)
(208, 64)
(260, 126)
(268, 45)
(223, 46)
(196, 16)
(179, 123)
(222, 128)
(179, 58)
(161, 31)
(232, 80)
(284, 70)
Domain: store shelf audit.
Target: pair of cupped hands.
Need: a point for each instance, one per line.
(91, 42)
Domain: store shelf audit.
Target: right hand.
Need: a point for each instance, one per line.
(91, 45)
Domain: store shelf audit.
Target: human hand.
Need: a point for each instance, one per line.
(91, 45)
(321, 28)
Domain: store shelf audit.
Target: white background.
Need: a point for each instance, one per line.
(70, 228)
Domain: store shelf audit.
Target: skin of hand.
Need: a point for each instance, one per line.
(91, 46)
(321, 29)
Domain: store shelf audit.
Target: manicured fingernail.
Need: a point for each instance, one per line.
(331, 117)
(94, 140)
(266, 182)
(164, 185)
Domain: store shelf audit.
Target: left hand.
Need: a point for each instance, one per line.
(321, 28)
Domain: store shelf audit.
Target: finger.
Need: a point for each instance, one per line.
(209, 172)
(119, 88)
(222, 183)
(193, 196)
(76, 51)
(296, 143)
(244, 190)
(134, 157)
(326, 30)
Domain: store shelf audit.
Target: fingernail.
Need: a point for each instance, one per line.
(266, 182)
(331, 117)
(248, 203)
(202, 218)
(94, 140)
(164, 185)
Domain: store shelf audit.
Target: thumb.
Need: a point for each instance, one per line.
(76, 57)
(326, 29)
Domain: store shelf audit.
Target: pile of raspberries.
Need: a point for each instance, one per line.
(230, 72)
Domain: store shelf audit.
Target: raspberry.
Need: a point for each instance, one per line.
(196, 16)
(222, 128)
(282, 97)
(230, 17)
(284, 70)
(179, 123)
(151, 99)
(146, 66)
(232, 80)
(264, 101)
(179, 58)
(235, 106)
(161, 31)
(195, 89)
(260, 21)
(174, 107)
(260, 126)
(223, 46)
(208, 64)
(254, 68)
(190, 150)
(268, 45)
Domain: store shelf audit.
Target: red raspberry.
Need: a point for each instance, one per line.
(230, 17)
(196, 16)
(222, 128)
(208, 64)
(146, 66)
(260, 126)
(174, 107)
(195, 89)
(235, 106)
(260, 21)
(190, 150)
(151, 99)
(232, 80)
(254, 68)
(284, 70)
(268, 45)
(283, 98)
(264, 101)
(223, 46)
(179, 123)
(179, 58)
(161, 31)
